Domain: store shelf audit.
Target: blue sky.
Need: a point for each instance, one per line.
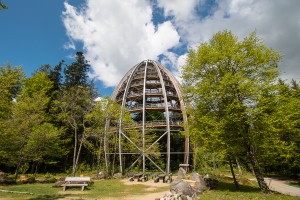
(117, 34)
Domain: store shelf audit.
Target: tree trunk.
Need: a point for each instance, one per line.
(195, 156)
(75, 152)
(20, 161)
(114, 158)
(36, 169)
(233, 175)
(260, 179)
(214, 164)
(17, 170)
(99, 156)
(105, 145)
(78, 152)
(238, 166)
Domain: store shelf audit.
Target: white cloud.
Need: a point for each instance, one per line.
(277, 22)
(118, 34)
(70, 45)
(181, 10)
(176, 61)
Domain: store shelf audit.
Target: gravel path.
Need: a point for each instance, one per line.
(281, 187)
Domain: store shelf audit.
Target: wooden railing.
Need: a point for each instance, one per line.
(152, 105)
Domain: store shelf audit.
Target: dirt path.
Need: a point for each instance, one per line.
(281, 187)
(151, 186)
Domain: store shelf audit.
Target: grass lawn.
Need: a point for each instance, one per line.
(102, 188)
(115, 189)
(249, 190)
(295, 184)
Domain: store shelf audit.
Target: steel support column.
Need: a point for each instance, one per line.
(167, 116)
(144, 115)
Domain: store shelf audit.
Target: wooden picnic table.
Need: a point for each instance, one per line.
(76, 182)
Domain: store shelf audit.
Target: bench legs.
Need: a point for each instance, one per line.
(82, 188)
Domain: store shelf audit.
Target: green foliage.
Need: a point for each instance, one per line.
(54, 74)
(10, 84)
(3, 6)
(230, 85)
(33, 139)
(76, 73)
(11, 80)
(282, 148)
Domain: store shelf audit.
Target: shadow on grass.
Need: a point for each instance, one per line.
(48, 197)
(229, 186)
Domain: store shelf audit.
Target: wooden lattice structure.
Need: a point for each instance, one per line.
(146, 88)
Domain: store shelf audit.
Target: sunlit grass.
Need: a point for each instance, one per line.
(226, 190)
(115, 189)
(103, 188)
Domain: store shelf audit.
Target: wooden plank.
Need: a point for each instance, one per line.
(74, 184)
(78, 179)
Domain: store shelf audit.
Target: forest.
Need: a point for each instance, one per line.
(241, 114)
(50, 122)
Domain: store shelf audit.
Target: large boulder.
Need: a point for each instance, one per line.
(181, 173)
(182, 187)
(101, 175)
(195, 177)
(47, 180)
(3, 174)
(4, 180)
(200, 185)
(118, 176)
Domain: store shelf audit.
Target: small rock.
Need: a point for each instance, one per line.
(130, 174)
(181, 173)
(58, 183)
(168, 194)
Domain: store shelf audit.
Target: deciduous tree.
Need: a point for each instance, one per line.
(226, 80)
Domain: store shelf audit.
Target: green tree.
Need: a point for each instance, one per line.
(11, 80)
(76, 73)
(28, 121)
(74, 102)
(3, 6)
(280, 153)
(10, 84)
(74, 105)
(54, 74)
(229, 84)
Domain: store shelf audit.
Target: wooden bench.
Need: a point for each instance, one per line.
(163, 177)
(139, 177)
(76, 182)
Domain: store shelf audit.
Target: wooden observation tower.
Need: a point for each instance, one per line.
(149, 88)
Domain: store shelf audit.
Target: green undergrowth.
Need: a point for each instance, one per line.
(295, 184)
